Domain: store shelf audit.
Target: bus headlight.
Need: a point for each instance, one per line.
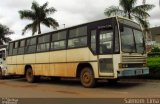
(123, 65)
(120, 65)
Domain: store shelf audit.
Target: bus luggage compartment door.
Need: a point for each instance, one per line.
(106, 67)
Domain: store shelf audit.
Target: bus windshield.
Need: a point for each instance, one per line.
(132, 39)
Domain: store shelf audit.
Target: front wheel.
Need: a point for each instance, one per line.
(87, 77)
(29, 75)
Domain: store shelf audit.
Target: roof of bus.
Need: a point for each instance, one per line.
(76, 26)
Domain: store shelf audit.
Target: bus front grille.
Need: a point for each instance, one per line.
(133, 59)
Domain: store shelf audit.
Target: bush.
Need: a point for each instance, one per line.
(154, 67)
(155, 49)
(154, 54)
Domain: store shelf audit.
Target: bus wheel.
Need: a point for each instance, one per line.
(29, 75)
(87, 78)
(1, 76)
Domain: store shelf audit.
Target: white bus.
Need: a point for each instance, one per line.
(105, 49)
(3, 68)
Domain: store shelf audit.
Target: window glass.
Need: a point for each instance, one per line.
(59, 36)
(2, 54)
(106, 44)
(10, 48)
(77, 42)
(93, 40)
(44, 39)
(129, 23)
(31, 41)
(139, 41)
(21, 50)
(72, 33)
(31, 49)
(127, 40)
(62, 35)
(58, 45)
(55, 37)
(15, 51)
(81, 31)
(22, 43)
(43, 47)
(16, 45)
(116, 48)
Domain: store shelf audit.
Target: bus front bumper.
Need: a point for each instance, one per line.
(126, 72)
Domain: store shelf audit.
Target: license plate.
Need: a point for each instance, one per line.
(138, 72)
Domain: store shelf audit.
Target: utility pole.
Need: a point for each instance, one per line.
(144, 2)
(64, 25)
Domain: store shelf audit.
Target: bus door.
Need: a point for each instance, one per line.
(105, 48)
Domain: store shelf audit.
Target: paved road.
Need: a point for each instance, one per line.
(19, 88)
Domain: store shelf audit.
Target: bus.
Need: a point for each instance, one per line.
(108, 49)
(3, 67)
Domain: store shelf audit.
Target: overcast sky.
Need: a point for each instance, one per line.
(69, 12)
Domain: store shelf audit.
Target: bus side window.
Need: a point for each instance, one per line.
(106, 41)
(93, 40)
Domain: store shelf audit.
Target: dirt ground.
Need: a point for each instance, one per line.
(130, 88)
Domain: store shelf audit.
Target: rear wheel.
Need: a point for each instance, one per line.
(29, 75)
(1, 75)
(87, 77)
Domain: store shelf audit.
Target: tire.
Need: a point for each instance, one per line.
(1, 75)
(87, 78)
(29, 75)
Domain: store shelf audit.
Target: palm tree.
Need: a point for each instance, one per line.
(38, 14)
(4, 32)
(128, 8)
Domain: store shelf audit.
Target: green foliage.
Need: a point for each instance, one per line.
(38, 14)
(128, 8)
(154, 54)
(155, 49)
(4, 32)
(154, 66)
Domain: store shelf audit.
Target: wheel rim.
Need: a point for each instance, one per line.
(29, 75)
(86, 78)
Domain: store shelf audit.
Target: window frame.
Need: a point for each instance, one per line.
(29, 45)
(10, 49)
(76, 37)
(59, 40)
(112, 50)
(45, 42)
(15, 47)
(22, 46)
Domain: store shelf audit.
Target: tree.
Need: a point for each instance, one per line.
(128, 8)
(4, 32)
(39, 15)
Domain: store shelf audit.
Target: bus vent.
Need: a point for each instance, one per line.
(133, 59)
